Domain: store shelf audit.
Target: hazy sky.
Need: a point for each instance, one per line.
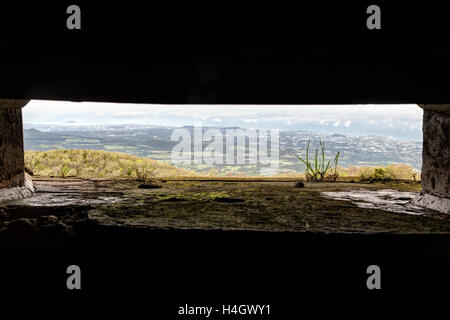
(400, 121)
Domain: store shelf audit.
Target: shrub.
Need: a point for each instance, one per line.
(64, 171)
(144, 172)
(366, 172)
(401, 171)
(390, 172)
(379, 174)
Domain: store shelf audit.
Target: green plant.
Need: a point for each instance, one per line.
(379, 174)
(320, 169)
(64, 171)
(144, 172)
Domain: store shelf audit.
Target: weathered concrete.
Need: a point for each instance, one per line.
(11, 143)
(436, 158)
(15, 193)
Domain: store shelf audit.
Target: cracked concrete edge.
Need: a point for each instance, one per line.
(16, 193)
(433, 202)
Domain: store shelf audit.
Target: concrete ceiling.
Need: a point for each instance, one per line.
(230, 53)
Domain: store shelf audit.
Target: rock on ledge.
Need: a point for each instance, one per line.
(15, 193)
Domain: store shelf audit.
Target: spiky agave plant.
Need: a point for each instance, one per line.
(320, 169)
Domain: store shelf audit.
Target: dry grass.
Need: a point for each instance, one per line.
(397, 171)
(98, 164)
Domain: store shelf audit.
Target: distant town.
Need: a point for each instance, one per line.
(155, 142)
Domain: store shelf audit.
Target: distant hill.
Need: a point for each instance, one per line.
(98, 164)
(33, 133)
(154, 142)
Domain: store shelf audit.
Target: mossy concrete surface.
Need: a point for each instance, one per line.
(259, 205)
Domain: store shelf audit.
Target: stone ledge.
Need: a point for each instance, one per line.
(433, 202)
(15, 193)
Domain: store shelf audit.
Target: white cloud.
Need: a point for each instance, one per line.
(330, 117)
(130, 113)
(250, 120)
(41, 109)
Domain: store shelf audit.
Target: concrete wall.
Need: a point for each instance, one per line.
(11, 143)
(435, 163)
(436, 158)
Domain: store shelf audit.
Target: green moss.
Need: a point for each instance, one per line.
(203, 196)
(172, 197)
(268, 206)
(211, 195)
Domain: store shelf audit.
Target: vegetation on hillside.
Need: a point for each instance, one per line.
(390, 172)
(104, 164)
(397, 171)
(98, 164)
